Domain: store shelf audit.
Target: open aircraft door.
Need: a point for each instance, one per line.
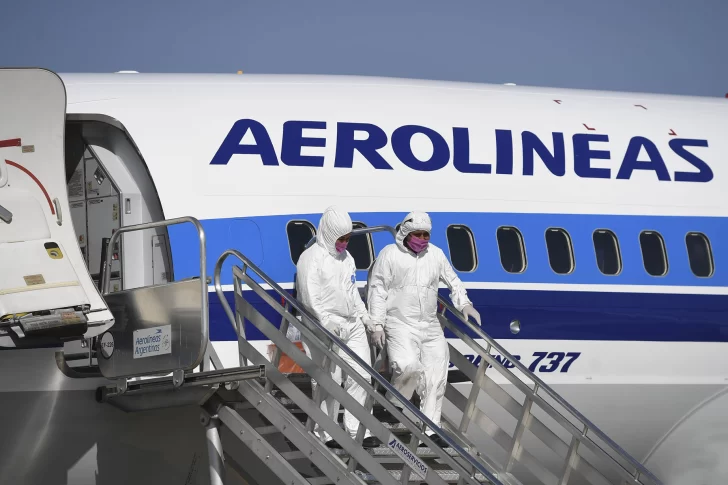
(46, 293)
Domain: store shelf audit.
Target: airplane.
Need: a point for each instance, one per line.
(587, 226)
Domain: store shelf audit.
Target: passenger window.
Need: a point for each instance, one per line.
(560, 250)
(361, 248)
(463, 254)
(299, 233)
(699, 254)
(512, 249)
(606, 248)
(654, 254)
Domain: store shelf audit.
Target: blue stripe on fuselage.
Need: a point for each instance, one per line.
(544, 314)
(559, 315)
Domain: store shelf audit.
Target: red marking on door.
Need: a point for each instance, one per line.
(14, 142)
(590, 129)
(30, 174)
(672, 132)
(558, 101)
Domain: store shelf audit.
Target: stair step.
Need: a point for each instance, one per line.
(383, 451)
(397, 429)
(448, 476)
(264, 430)
(319, 481)
(292, 455)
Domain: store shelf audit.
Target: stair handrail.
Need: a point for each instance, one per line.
(541, 385)
(248, 263)
(590, 427)
(104, 287)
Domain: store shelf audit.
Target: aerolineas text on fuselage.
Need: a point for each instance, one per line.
(641, 153)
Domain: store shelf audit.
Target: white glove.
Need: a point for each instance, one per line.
(378, 338)
(367, 321)
(332, 326)
(469, 311)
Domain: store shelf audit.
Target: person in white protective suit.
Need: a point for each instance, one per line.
(326, 285)
(403, 288)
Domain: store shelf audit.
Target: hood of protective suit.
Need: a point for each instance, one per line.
(334, 224)
(414, 221)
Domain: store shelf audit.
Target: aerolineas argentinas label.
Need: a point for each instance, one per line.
(153, 341)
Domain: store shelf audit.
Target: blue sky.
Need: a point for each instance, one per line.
(668, 46)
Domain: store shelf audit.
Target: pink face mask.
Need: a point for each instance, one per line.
(341, 246)
(417, 245)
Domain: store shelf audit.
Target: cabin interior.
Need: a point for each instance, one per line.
(109, 186)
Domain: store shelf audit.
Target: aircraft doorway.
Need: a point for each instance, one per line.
(109, 187)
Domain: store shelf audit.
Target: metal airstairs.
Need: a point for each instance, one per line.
(545, 442)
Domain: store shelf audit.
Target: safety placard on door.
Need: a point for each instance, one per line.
(34, 279)
(153, 341)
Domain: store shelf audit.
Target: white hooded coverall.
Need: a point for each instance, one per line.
(403, 289)
(326, 285)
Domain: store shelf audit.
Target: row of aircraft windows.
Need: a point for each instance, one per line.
(607, 252)
(512, 249)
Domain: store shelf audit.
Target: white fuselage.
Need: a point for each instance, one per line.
(642, 355)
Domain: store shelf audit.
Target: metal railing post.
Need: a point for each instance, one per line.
(311, 328)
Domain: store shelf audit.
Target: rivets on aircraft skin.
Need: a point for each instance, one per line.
(588, 128)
